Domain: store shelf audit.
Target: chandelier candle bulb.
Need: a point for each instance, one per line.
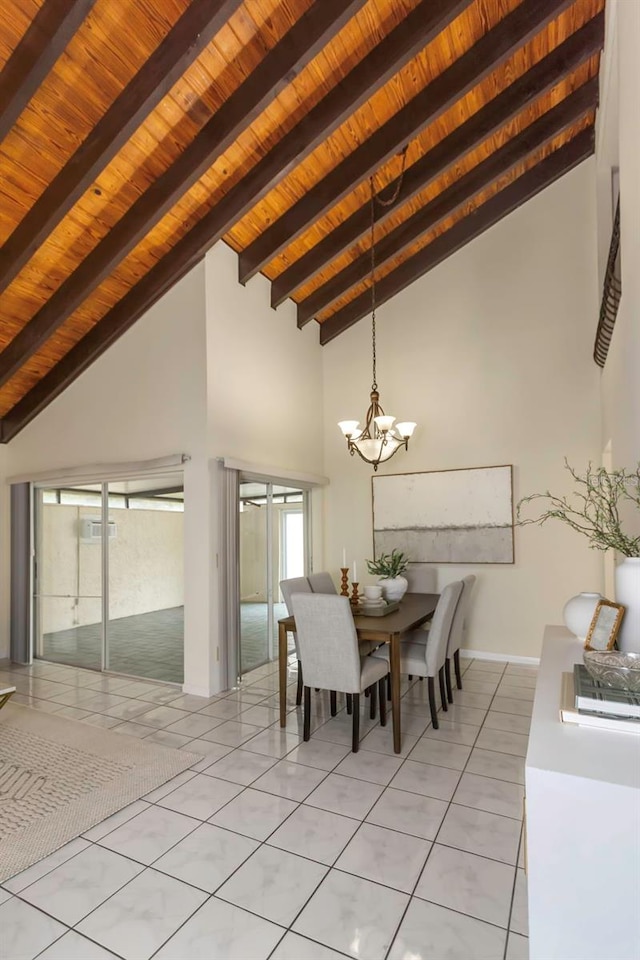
(406, 428)
(384, 423)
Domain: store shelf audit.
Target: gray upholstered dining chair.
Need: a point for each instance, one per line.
(428, 660)
(457, 633)
(287, 588)
(331, 656)
(322, 582)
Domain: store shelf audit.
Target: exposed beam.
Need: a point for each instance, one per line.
(182, 45)
(524, 188)
(300, 45)
(46, 38)
(450, 200)
(561, 62)
(488, 53)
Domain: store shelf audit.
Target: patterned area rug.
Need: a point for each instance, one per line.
(60, 777)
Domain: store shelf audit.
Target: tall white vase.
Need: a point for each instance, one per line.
(628, 593)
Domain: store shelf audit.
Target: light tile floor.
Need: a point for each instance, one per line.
(270, 847)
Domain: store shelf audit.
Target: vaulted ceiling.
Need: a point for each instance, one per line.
(135, 134)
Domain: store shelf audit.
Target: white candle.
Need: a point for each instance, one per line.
(355, 573)
(344, 558)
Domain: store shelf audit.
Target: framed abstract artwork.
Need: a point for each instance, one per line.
(445, 516)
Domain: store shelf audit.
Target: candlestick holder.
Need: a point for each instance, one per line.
(355, 597)
(344, 588)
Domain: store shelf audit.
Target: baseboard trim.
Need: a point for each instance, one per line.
(509, 657)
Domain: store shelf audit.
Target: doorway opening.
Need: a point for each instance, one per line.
(109, 581)
(273, 546)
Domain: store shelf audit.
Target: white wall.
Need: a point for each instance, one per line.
(144, 398)
(264, 390)
(619, 141)
(491, 354)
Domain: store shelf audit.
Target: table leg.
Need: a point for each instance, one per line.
(282, 671)
(394, 660)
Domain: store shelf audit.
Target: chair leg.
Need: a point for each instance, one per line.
(443, 692)
(333, 702)
(300, 685)
(432, 703)
(447, 677)
(366, 693)
(456, 663)
(410, 676)
(372, 701)
(355, 739)
(307, 713)
(383, 702)
(388, 686)
(349, 704)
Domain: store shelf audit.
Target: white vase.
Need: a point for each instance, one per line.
(393, 588)
(578, 613)
(628, 593)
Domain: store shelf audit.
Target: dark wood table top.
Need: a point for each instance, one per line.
(415, 609)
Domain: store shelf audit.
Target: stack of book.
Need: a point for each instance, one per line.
(588, 702)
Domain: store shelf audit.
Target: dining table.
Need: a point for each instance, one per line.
(414, 610)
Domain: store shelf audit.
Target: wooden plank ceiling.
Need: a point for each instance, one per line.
(134, 135)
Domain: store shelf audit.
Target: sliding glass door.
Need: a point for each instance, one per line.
(273, 546)
(110, 596)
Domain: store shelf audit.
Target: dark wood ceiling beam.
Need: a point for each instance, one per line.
(486, 55)
(300, 45)
(48, 34)
(182, 45)
(510, 198)
(450, 200)
(561, 62)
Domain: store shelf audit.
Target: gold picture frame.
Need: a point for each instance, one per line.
(604, 627)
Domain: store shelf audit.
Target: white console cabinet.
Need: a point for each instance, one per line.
(583, 826)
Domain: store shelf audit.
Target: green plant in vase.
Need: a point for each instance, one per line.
(390, 567)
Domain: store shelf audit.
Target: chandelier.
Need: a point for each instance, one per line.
(381, 436)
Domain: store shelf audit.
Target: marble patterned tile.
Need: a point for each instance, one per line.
(25, 930)
(521, 679)
(426, 779)
(242, 767)
(138, 919)
(515, 692)
(220, 929)
(188, 701)
(321, 754)
(294, 947)
(408, 813)
(495, 796)
(385, 856)
(517, 947)
(441, 753)
(344, 795)
(487, 834)
(519, 912)
(274, 884)
(194, 725)
(207, 857)
(21, 880)
(479, 683)
(367, 765)
(291, 780)
(201, 796)
(232, 733)
(100, 720)
(167, 739)
(150, 834)
(489, 666)
(352, 915)
(128, 710)
(260, 716)
(467, 883)
(72, 713)
(115, 820)
(132, 729)
(222, 709)
(74, 947)
(254, 814)
(163, 696)
(210, 752)
(272, 742)
(480, 701)
(161, 717)
(456, 713)
(380, 740)
(75, 888)
(453, 732)
(508, 722)
(500, 766)
(523, 708)
(522, 670)
(503, 742)
(169, 786)
(314, 833)
(429, 931)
